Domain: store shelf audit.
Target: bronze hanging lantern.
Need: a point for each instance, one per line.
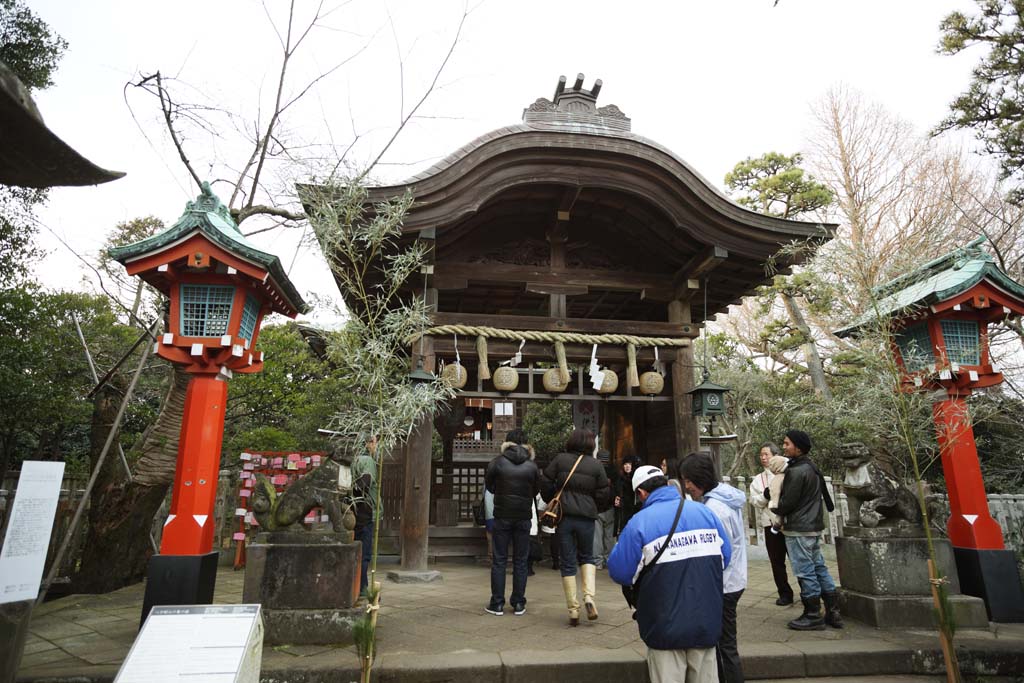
(708, 398)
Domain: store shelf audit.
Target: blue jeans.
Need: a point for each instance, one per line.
(364, 534)
(514, 532)
(809, 566)
(575, 541)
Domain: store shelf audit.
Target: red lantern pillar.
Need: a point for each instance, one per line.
(219, 288)
(970, 523)
(940, 314)
(189, 526)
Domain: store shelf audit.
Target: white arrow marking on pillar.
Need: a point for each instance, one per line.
(200, 519)
(169, 519)
(971, 519)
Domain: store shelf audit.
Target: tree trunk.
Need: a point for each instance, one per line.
(121, 515)
(814, 366)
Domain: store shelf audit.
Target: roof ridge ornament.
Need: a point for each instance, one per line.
(574, 107)
(576, 94)
(208, 202)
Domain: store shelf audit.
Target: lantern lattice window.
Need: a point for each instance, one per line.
(915, 347)
(206, 310)
(961, 338)
(249, 316)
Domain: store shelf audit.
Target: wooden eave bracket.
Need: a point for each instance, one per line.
(687, 279)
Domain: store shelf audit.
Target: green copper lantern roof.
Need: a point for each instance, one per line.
(936, 281)
(207, 215)
(708, 385)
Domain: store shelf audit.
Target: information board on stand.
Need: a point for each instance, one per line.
(209, 643)
(28, 533)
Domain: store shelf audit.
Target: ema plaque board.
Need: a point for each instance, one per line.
(210, 643)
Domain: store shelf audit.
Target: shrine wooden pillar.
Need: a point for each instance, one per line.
(419, 473)
(687, 437)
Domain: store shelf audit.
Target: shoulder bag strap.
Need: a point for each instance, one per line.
(559, 494)
(671, 532)
(829, 505)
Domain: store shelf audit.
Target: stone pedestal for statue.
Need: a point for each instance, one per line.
(885, 582)
(308, 585)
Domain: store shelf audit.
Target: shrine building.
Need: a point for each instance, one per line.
(552, 235)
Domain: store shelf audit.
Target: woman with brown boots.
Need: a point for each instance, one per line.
(580, 481)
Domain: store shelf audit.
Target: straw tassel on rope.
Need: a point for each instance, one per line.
(481, 351)
(563, 366)
(632, 376)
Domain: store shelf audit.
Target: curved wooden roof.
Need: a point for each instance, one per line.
(616, 191)
(581, 156)
(638, 224)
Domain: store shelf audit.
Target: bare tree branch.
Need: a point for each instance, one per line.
(167, 107)
(241, 214)
(430, 89)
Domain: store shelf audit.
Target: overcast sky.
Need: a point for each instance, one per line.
(713, 81)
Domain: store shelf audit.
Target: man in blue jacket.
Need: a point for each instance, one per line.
(679, 600)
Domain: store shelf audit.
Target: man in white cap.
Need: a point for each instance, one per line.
(671, 555)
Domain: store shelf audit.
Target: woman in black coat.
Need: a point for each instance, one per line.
(584, 493)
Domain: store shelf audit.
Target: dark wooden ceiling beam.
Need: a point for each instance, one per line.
(697, 268)
(451, 275)
(566, 204)
(600, 300)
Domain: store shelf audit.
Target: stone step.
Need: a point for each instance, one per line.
(859, 679)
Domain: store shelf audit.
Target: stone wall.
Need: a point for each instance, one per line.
(1007, 509)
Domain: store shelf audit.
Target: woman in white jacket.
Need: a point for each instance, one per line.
(774, 542)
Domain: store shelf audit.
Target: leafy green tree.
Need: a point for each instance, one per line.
(28, 46)
(129, 291)
(31, 50)
(44, 375)
(282, 407)
(774, 184)
(993, 104)
(548, 425)
(260, 439)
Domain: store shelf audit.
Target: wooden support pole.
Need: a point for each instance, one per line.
(687, 437)
(96, 379)
(416, 503)
(418, 470)
(73, 527)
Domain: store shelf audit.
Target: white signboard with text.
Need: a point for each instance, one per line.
(209, 643)
(28, 532)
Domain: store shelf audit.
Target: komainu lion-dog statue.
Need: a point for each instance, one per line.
(874, 496)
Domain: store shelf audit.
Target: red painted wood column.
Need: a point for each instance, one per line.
(970, 523)
(189, 527)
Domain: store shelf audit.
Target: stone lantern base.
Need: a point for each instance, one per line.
(308, 584)
(885, 582)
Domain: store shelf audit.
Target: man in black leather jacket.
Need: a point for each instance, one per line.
(514, 480)
(802, 500)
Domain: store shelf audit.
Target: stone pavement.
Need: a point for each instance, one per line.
(439, 631)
